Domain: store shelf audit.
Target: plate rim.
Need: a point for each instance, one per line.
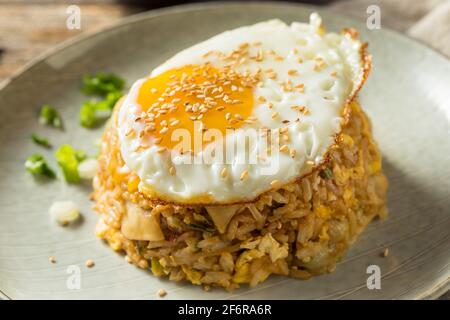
(434, 291)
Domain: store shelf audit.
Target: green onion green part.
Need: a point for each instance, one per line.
(37, 165)
(101, 84)
(326, 173)
(93, 112)
(68, 159)
(87, 115)
(40, 140)
(49, 116)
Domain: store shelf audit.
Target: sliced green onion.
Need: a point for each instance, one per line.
(101, 84)
(87, 115)
(68, 159)
(50, 116)
(40, 140)
(92, 112)
(80, 155)
(326, 173)
(110, 101)
(37, 165)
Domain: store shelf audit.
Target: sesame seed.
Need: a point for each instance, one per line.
(292, 72)
(274, 115)
(52, 259)
(244, 175)
(163, 130)
(89, 263)
(144, 146)
(272, 75)
(310, 162)
(130, 133)
(284, 148)
(157, 140)
(224, 172)
(320, 64)
(139, 148)
(161, 149)
(292, 153)
(386, 252)
(333, 74)
(274, 183)
(228, 116)
(172, 171)
(238, 116)
(162, 292)
(174, 122)
(302, 109)
(154, 90)
(300, 87)
(261, 99)
(243, 45)
(206, 55)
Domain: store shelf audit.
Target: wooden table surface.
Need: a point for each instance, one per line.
(30, 27)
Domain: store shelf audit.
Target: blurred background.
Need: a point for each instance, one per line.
(30, 27)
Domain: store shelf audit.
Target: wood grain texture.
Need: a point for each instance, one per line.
(27, 30)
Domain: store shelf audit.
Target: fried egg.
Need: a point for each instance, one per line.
(286, 83)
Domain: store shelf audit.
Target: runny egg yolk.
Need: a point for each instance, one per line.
(213, 98)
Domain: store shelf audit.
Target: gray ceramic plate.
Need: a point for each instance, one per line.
(407, 97)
